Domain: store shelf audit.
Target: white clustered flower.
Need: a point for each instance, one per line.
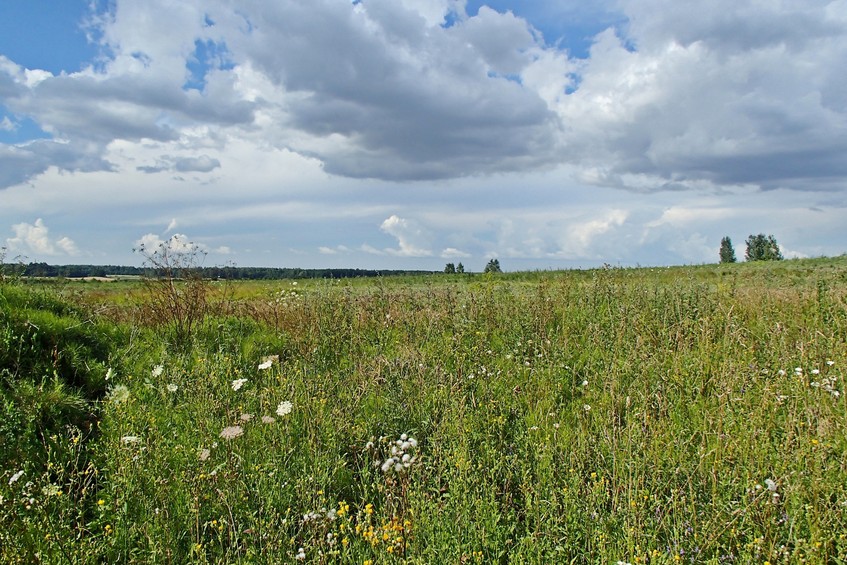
(157, 370)
(232, 432)
(110, 373)
(827, 384)
(172, 387)
(585, 383)
(203, 454)
(587, 408)
(130, 439)
(830, 363)
(301, 554)
(402, 455)
(284, 408)
(15, 477)
(238, 383)
(268, 419)
(119, 394)
(771, 485)
(268, 361)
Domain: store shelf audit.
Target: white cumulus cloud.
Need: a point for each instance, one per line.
(35, 238)
(410, 237)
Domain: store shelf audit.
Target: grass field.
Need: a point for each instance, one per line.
(681, 415)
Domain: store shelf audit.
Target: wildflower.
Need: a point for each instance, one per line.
(238, 383)
(816, 371)
(268, 361)
(830, 363)
(301, 554)
(119, 394)
(172, 387)
(246, 417)
(587, 407)
(268, 419)
(157, 370)
(14, 478)
(781, 372)
(771, 485)
(284, 408)
(585, 382)
(130, 439)
(232, 432)
(203, 454)
(110, 373)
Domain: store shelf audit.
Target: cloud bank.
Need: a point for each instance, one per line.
(743, 94)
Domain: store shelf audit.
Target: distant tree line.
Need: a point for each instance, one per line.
(230, 272)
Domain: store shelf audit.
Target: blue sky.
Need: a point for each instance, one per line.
(409, 133)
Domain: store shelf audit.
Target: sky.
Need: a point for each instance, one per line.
(406, 134)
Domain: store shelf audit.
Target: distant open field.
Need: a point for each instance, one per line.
(653, 415)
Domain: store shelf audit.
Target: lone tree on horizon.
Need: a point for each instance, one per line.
(762, 248)
(493, 266)
(727, 252)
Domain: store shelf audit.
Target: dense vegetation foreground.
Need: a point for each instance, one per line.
(691, 415)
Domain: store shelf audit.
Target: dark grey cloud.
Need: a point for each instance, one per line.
(19, 164)
(411, 101)
(199, 164)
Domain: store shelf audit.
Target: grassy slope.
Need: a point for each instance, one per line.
(645, 415)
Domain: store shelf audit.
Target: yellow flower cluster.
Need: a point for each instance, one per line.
(390, 533)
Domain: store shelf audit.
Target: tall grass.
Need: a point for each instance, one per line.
(646, 416)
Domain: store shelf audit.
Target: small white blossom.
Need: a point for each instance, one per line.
(830, 363)
(172, 387)
(587, 407)
(284, 408)
(232, 432)
(238, 383)
(119, 394)
(265, 365)
(15, 477)
(770, 484)
(203, 454)
(157, 370)
(110, 373)
(268, 419)
(130, 439)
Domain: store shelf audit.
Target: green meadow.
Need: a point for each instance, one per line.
(651, 415)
